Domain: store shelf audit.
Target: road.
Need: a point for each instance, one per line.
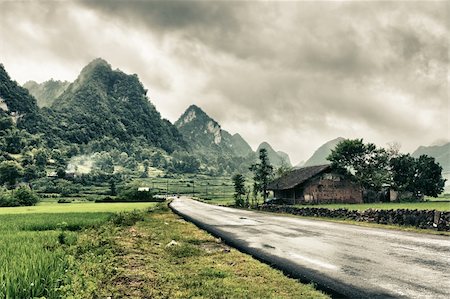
(345, 260)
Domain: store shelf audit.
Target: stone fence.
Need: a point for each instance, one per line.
(425, 219)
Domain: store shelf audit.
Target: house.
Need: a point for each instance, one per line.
(316, 184)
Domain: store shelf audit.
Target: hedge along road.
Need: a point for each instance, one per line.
(345, 260)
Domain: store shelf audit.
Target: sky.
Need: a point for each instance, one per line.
(295, 74)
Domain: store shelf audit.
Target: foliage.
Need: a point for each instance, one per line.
(239, 189)
(22, 196)
(10, 173)
(25, 196)
(262, 173)
(58, 186)
(420, 176)
(368, 164)
(184, 163)
(131, 192)
(282, 169)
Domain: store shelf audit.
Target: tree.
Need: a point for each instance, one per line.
(262, 173)
(25, 196)
(421, 176)
(112, 187)
(239, 189)
(283, 169)
(368, 164)
(41, 158)
(10, 172)
(104, 163)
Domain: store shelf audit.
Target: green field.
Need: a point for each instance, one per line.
(78, 207)
(32, 256)
(426, 205)
(84, 250)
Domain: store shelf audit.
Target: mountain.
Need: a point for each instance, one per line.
(17, 106)
(240, 147)
(201, 131)
(441, 154)
(204, 133)
(105, 104)
(275, 158)
(14, 98)
(285, 157)
(300, 164)
(218, 151)
(320, 155)
(47, 92)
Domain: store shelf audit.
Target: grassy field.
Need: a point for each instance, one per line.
(427, 205)
(165, 257)
(33, 259)
(85, 250)
(80, 207)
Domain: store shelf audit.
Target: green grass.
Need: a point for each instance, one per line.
(33, 262)
(426, 205)
(137, 262)
(79, 207)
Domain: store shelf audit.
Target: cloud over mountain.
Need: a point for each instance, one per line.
(293, 73)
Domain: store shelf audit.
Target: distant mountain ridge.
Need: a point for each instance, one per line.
(277, 159)
(205, 135)
(320, 155)
(441, 154)
(46, 92)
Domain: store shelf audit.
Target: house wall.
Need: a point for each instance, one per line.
(323, 188)
(331, 188)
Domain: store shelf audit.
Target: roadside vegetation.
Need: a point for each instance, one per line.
(147, 253)
(163, 256)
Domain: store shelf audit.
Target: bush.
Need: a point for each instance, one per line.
(25, 196)
(131, 193)
(127, 218)
(22, 196)
(6, 199)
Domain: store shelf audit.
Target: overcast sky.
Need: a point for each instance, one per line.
(295, 74)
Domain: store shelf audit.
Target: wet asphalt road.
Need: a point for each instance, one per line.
(346, 260)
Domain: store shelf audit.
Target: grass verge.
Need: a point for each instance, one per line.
(163, 256)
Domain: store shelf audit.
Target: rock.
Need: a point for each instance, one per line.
(172, 243)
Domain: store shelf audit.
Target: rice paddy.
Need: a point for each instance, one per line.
(33, 261)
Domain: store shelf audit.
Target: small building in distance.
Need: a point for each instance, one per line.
(316, 185)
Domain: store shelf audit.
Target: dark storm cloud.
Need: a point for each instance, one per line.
(282, 71)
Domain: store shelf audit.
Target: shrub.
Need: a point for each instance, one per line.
(25, 196)
(131, 192)
(127, 218)
(22, 196)
(6, 199)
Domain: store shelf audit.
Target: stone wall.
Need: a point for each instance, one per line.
(425, 219)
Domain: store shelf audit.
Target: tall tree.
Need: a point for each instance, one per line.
(239, 189)
(421, 176)
(262, 173)
(368, 164)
